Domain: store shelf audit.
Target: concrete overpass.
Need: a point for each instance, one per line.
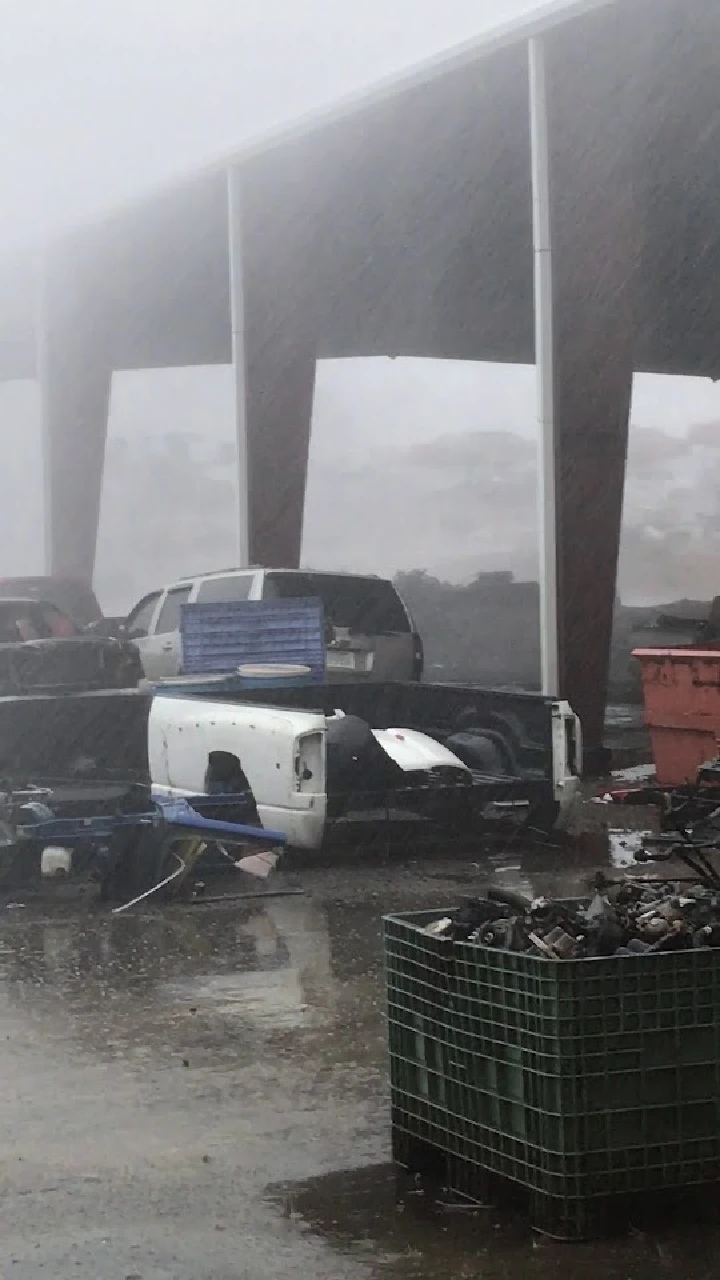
(577, 149)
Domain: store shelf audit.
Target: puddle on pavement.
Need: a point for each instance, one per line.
(283, 960)
(287, 963)
(174, 981)
(357, 1212)
(226, 984)
(275, 999)
(288, 995)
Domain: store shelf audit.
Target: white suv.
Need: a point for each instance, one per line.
(370, 633)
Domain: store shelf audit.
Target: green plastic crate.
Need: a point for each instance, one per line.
(577, 1080)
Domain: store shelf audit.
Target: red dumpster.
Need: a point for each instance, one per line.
(681, 694)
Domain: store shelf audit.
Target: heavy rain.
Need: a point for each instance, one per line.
(359, 639)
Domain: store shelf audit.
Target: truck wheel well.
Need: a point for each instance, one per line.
(225, 772)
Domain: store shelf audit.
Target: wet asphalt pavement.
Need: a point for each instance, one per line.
(202, 1093)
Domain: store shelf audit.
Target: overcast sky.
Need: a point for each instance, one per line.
(102, 100)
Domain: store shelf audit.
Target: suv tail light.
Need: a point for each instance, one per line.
(418, 662)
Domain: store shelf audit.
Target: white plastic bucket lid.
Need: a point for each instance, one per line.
(273, 671)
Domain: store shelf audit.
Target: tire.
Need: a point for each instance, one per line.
(140, 863)
(478, 752)
(543, 817)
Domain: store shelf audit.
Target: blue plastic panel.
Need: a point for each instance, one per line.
(222, 637)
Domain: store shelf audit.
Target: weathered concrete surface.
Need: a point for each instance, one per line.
(202, 1095)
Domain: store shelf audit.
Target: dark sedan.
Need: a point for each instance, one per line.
(42, 650)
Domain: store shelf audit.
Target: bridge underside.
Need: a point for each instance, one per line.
(406, 228)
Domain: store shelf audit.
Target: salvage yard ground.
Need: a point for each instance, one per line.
(201, 1093)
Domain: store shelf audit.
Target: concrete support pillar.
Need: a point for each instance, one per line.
(74, 377)
(274, 360)
(586, 362)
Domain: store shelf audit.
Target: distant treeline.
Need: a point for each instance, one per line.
(488, 631)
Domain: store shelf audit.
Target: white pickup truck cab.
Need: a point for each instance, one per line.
(319, 757)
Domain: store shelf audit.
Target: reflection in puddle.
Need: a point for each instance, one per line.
(358, 1213)
(126, 986)
(273, 998)
(284, 977)
(639, 774)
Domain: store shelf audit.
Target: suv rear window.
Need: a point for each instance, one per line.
(234, 586)
(367, 606)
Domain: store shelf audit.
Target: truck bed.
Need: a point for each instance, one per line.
(522, 721)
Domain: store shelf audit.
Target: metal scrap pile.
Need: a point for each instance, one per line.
(630, 918)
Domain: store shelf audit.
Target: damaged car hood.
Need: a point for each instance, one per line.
(74, 663)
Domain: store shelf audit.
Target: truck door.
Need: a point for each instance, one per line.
(139, 621)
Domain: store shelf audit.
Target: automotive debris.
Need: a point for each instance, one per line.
(632, 917)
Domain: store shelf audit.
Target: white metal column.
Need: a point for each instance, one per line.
(544, 363)
(74, 381)
(41, 366)
(237, 326)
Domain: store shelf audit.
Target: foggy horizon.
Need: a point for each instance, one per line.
(370, 418)
(204, 79)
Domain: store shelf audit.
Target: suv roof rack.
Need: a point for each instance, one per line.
(216, 573)
(254, 568)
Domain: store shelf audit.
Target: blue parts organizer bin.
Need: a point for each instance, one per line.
(223, 637)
